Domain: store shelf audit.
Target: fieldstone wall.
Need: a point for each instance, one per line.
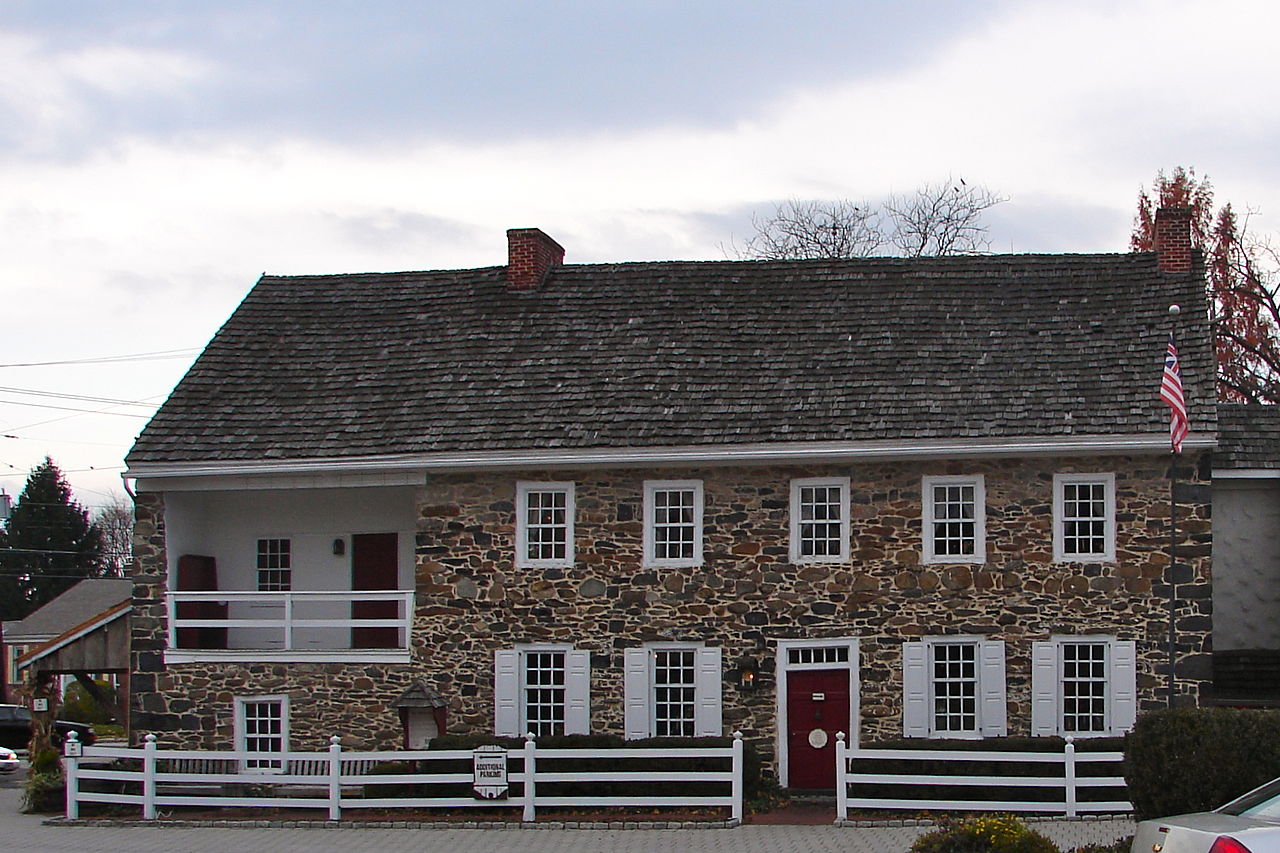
(747, 595)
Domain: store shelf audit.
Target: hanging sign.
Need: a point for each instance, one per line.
(489, 772)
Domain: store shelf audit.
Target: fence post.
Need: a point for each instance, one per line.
(335, 780)
(1069, 760)
(71, 773)
(737, 791)
(149, 778)
(530, 771)
(842, 786)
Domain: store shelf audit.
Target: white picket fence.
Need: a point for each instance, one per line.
(1069, 783)
(338, 779)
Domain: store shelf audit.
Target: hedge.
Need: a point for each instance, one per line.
(1195, 759)
(754, 785)
(992, 792)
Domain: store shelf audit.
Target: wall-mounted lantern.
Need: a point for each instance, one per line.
(748, 674)
(339, 547)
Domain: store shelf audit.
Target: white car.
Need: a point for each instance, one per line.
(8, 760)
(1247, 824)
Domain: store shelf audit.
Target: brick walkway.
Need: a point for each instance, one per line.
(29, 833)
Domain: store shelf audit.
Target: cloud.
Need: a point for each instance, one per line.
(59, 98)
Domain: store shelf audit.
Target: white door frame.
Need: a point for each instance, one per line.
(783, 665)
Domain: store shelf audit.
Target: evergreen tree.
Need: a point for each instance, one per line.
(48, 544)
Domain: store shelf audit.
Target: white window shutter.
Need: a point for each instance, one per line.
(577, 692)
(991, 688)
(915, 690)
(637, 720)
(1044, 689)
(1124, 686)
(506, 693)
(708, 682)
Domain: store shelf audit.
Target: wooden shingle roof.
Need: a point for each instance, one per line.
(1248, 436)
(689, 353)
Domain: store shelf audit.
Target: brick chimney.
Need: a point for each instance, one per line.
(530, 256)
(1173, 239)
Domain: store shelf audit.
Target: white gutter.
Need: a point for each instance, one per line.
(1246, 474)
(743, 454)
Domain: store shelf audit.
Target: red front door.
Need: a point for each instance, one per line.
(817, 708)
(374, 565)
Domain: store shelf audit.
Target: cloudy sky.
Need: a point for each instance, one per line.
(156, 157)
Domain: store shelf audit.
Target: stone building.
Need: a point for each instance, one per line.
(924, 497)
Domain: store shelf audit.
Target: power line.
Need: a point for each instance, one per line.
(159, 355)
(80, 397)
(69, 409)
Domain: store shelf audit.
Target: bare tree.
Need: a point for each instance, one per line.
(815, 229)
(1242, 275)
(115, 520)
(941, 219)
(937, 219)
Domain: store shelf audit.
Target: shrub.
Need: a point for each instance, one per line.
(984, 834)
(1120, 845)
(1194, 759)
(45, 790)
(79, 706)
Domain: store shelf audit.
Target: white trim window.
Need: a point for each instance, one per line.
(672, 523)
(541, 689)
(544, 525)
(955, 519)
(275, 565)
(672, 690)
(262, 726)
(1084, 686)
(953, 687)
(820, 520)
(1084, 517)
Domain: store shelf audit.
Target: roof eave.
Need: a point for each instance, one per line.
(405, 469)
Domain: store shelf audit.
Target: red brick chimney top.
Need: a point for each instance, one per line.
(1173, 239)
(530, 256)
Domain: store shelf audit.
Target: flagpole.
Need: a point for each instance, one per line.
(1173, 567)
(1173, 531)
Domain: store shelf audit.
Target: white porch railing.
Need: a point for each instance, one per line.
(288, 622)
(1066, 786)
(340, 779)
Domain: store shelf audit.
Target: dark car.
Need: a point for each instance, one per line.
(15, 728)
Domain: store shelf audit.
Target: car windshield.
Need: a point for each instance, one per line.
(1262, 803)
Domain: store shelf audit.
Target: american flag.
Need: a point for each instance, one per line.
(1171, 393)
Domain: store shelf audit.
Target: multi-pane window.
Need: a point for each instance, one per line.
(818, 654)
(674, 692)
(673, 523)
(544, 524)
(955, 687)
(263, 728)
(275, 573)
(819, 520)
(544, 692)
(1084, 517)
(954, 519)
(1084, 687)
